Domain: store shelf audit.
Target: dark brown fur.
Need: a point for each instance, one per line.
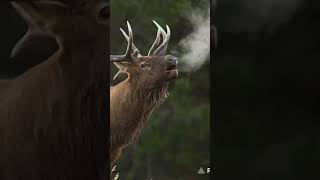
(129, 117)
(133, 100)
(52, 117)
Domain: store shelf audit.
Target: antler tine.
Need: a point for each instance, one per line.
(163, 33)
(127, 56)
(130, 42)
(161, 50)
(136, 51)
(156, 41)
(167, 39)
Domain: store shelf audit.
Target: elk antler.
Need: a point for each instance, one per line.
(136, 51)
(155, 43)
(161, 50)
(36, 20)
(155, 50)
(127, 56)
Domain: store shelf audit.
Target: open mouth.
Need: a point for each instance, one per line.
(172, 68)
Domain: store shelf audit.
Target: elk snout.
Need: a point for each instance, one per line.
(171, 59)
(171, 69)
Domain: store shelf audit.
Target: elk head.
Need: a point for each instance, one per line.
(153, 70)
(66, 22)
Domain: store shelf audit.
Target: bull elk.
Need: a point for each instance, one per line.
(133, 100)
(53, 117)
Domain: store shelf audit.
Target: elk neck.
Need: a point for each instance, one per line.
(82, 59)
(131, 105)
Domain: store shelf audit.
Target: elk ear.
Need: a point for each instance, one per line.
(122, 68)
(40, 17)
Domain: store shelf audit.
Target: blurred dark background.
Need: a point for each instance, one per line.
(266, 90)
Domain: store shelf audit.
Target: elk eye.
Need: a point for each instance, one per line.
(104, 13)
(145, 65)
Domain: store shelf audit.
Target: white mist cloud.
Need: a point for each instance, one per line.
(196, 46)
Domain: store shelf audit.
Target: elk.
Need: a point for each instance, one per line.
(53, 116)
(146, 86)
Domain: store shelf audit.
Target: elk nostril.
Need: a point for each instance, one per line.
(173, 60)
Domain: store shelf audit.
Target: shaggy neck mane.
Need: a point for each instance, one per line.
(132, 106)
